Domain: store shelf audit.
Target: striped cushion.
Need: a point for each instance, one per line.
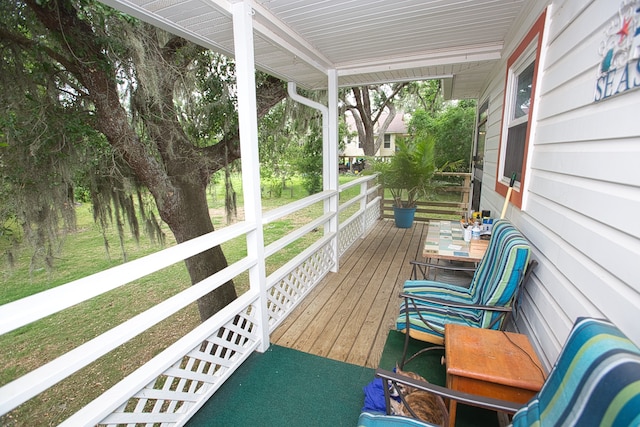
(595, 381)
(368, 419)
(505, 269)
(494, 283)
(436, 316)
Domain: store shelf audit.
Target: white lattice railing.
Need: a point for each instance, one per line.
(177, 386)
(289, 285)
(173, 385)
(357, 224)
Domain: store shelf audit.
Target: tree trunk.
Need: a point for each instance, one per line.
(190, 220)
(362, 115)
(366, 118)
(180, 193)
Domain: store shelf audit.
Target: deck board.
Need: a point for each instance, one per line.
(296, 324)
(367, 283)
(348, 315)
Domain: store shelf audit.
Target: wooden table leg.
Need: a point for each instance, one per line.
(452, 412)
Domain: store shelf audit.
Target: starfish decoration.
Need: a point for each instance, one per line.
(624, 31)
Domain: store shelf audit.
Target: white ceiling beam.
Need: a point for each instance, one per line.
(271, 28)
(439, 57)
(377, 81)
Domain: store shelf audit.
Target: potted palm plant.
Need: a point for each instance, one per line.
(408, 175)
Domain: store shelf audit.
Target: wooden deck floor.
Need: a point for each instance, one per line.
(348, 315)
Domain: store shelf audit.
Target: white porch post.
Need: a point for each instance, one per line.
(248, 122)
(330, 162)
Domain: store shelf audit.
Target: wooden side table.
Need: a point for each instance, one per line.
(496, 364)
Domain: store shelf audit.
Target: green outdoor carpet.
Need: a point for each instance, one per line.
(429, 365)
(285, 387)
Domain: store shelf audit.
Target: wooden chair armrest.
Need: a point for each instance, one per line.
(470, 399)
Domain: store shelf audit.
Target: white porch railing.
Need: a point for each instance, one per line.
(172, 386)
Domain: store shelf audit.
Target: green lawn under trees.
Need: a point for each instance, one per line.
(82, 254)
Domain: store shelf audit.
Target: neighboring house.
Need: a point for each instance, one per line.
(353, 152)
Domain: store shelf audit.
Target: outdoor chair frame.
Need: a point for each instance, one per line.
(486, 303)
(594, 382)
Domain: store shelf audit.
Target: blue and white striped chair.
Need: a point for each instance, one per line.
(486, 303)
(594, 382)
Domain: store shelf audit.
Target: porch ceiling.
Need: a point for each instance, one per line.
(366, 41)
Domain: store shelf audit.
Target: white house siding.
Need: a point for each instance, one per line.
(353, 151)
(582, 207)
(396, 128)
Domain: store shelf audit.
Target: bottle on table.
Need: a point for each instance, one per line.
(475, 231)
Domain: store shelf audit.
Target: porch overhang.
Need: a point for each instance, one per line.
(365, 42)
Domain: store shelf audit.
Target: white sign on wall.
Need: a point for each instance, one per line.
(619, 70)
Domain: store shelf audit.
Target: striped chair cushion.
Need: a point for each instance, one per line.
(436, 316)
(504, 238)
(595, 381)
(504, 272)
(368, 419)
(494, 283)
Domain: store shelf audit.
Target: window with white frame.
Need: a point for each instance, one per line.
(387, 141)
(522, 69)
(519, 89)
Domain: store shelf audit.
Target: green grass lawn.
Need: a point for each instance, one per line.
(82, 254)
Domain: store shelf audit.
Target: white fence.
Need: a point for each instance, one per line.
(173, 385)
